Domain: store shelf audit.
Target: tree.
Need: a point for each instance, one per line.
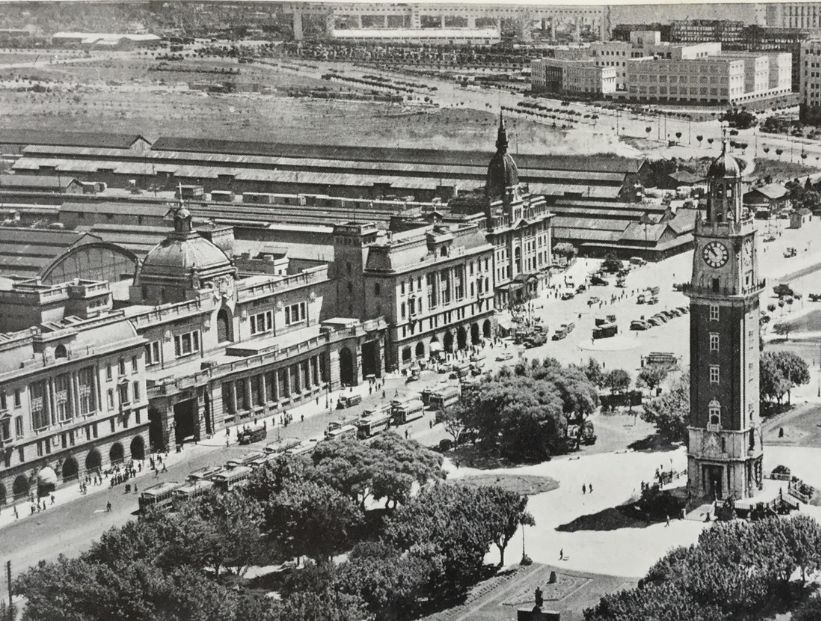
(453, 420)
(618, 380)
(506, 512)
(611, 264)
(670, 412)
(793, 368)
(444, 517)
(772, 383)
(594, 373)
(311, 518)
(565, 250)
(392, 583)
(652, 375)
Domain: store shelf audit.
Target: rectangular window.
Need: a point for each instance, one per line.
(108, 373)
(714, 312)
(3, 400)
(121, 364)
(262, 322)
(85, 395)
(714, 377)
(62, 397)
(134, 366)
(18, 426)
(135, 390)
(431, 284)
(295, 313)
(110, 398)
(187, 344)
(123, 390)
(713, 341)
(152, 353)
(21, 455)
(39, 415)
(444, 286)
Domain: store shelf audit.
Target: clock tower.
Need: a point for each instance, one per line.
(724, 450)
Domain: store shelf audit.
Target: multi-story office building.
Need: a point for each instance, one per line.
(432, 283)
(714, 80)
(727, 32)
(804, 15)
(810, 93)
(576, 77)
(72, 398)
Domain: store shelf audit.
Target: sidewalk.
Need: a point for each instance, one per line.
(393, 382)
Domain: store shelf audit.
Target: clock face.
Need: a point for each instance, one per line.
(715, 254)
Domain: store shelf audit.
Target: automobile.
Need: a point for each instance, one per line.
(558, 335)
(581, 288)
(504, 356)
(765, 318)
(568, 327)
(769, 238)
(639, 324)
(654, 322)
(535, 340)
(684, 309)
(641, 299)
(662, 318)
(677, 312)
(637, 261)
(568, 295)
(621, 282)
(790, 252)
(669, 314)
(598, 281)
(815, 297)
(593, 300)
(346, 401)
(653, 300)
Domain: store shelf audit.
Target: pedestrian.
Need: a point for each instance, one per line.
(52, 499)
(430, 423)
(164, 469)
(561, 554)
(406, 434)
(668, 521)
(584, 489)
(317, 400)
(383, 394)
(302, 418)
(16, 515)
(135, 488)
(590, 488)
(108, 506)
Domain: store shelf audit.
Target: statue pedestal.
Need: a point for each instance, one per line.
(536, 614)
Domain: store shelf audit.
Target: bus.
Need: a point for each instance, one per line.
(192, 490)
(281, 446)
(203, 474)
(339, 431)
(304, 447)
(444, 398)
(407, 410)
(160, 495)
(254, 434)
(228, 480)
(374, 422)
(460, 370)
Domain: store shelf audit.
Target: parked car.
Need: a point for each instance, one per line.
(568, 295)
(597, 281)
(639, 324)
(581, 288)
(504, 356)
(653, 300)
(654, 322)
(641, 299)
(790, 252)
(558, 335)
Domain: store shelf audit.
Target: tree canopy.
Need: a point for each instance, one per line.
(670, 411)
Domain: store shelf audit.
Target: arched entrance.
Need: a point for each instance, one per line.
(474, 333)
(116, 453)
(448, 341)
(420, 350)
(486, 329)
(137, 448)
(371, 359)
(406, 355)
(93, 459)
(224, 331)
(70, 469)
(20, 489)
(346, 372)
(186, 421)
(461, 337)
(156, 438)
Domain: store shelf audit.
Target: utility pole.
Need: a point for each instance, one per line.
(8, 583)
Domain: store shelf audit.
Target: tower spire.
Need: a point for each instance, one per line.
(501, 138)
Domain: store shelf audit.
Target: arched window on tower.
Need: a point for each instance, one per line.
(714, 411)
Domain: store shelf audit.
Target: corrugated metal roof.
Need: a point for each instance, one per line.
(79, 139)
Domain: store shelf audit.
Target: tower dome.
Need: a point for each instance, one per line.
(181, 264)
(502, 172)
(724, 166)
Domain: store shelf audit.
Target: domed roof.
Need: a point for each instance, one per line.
(182, 255)
(502, 171)
(725, 165)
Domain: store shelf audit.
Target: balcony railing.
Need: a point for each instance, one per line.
(719, 291)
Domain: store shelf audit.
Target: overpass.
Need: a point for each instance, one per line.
(424, 16)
